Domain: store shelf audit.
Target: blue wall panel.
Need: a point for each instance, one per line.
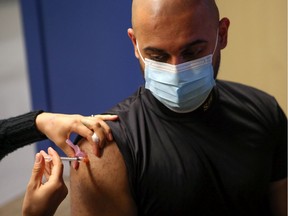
(79, 55)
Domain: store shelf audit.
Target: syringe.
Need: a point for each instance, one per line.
(48, 158)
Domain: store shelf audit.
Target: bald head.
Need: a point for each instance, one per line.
(149, 10)
(177, 31)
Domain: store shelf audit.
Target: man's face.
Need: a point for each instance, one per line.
(176, 36)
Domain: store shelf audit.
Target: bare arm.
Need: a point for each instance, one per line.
(101, 186)
(278, 197)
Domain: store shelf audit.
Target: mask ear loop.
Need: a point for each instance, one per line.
(216, 42)
(139, 52)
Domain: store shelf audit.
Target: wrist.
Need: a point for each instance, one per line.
(41, 121)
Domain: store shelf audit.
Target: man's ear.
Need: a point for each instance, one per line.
(132, 37)
(224, 24)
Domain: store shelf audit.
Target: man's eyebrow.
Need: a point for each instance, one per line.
(153, 49)
(194, 43)
(187, 46)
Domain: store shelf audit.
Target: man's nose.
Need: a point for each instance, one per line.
(175, 60)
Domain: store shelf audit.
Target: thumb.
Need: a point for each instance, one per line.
(38, 170)
(61, 143)
(68, 150)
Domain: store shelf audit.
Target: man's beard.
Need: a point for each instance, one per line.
(217, 65)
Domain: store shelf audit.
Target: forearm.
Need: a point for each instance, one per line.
(18, 131)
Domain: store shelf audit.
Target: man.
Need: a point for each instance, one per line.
(186, 144)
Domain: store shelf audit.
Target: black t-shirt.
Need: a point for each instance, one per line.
(214, 161)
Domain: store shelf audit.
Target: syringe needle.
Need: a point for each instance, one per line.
(48, 158)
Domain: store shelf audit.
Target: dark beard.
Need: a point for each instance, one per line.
(217, 65)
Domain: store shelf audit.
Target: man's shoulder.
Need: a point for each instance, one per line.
(243, 92)
(127, 104)
(243, 98)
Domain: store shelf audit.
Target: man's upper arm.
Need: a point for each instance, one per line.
(278, 197)
(101, 186)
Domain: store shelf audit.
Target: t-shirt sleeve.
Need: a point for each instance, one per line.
(123, 142)
(279, 167)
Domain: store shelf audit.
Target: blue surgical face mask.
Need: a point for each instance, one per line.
(183, 87)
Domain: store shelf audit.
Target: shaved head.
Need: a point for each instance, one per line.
(177, 31)
(142, 10)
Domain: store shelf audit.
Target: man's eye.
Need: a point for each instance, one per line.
(159, 58)
(192, 54)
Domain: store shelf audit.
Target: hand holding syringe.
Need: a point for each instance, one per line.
(51, 192)
(80, 156)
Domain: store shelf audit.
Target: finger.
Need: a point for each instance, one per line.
(91, 122)
(94, 141)
(37, 171)
(95, 146)
(55, 157)
(66, 148)
(107, 131)
(96, 127)
(96, 121)
(95, 124)
(85, 129)
(88, 134)
(44, 154)
(107, 117)
(57, 170)
(100, 135)
(105, 125)
(48, 165)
